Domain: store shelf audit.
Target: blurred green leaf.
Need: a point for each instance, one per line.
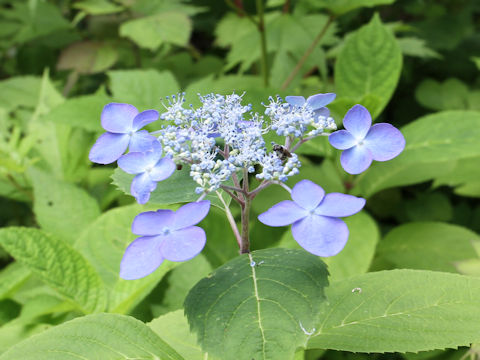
(400, 311)
(180, 281)
(433, 144)
(412, 46)
(144, 89)
(469, 267)
(61, 208)
(19, 91)
(452, 94)
(244, 310)
(103, 244)
(174, 330)
(11, 278)
(152, 31)
(429, 207)
(101, 336)
(340, 7)
(88, 57)
(97, 7)
(357, 255)
(369, 64)
(58, 265)
(428, 246)
(82, 111)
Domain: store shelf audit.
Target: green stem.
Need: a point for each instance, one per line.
(306, 54)
(231, 220)
(245, 215)
(263, 41)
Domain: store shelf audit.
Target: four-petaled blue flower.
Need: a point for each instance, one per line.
(363, 143)
(150, 167)
(122, 122)
(165, 235)
(314, 217)
(316, 102)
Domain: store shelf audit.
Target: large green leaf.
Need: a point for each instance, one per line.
(433, 144)
(100, 336)
(152, 31)
(177, 188)
(58, 265)
(88, 57)
(103, 244)
(12, 277)
(357, 255)
(369, 64)
(259, 305)
(400, 311)
(142, 88)
(428, 245)
(61, 208)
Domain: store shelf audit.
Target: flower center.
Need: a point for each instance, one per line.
(165, 231)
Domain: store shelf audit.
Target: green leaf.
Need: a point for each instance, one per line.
(433, 144)
(173, 329)
(88, 57)
(242, 311)
(103, 244)
(61, 208)
(412, 46)
(19, 91)
(11, 278)
(357, 255)
(97, 7)
(469, 267)
(180, 280)
(151, 32)
(400, 311)
(429, 207)
(142, 88)
(177, 188)
(369, 64)
(221, 245)
(83, 112)
(452, 94)
(58, 265)
(340, 7)
(100, 336)
(428, 246)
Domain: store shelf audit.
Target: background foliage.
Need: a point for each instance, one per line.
(66, 222)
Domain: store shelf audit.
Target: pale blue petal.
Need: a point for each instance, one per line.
(118, 118)
(153, 222)
(307, 194)
(356, 159)
(321, 112)
(141, 258)
(295, 100)
(358, 121)
(144, 118)
(340, 205)
(108, 148)
(191, 214)
(141, 187)
(134, 163)
(183, 244)
(284, 213)
(320, 100)
(141, 141)
(384, 141)
(321, 235)
(164, 168)
(342, 140)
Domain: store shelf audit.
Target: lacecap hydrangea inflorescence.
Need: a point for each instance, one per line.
(222, 142)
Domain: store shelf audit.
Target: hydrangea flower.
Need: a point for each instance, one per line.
(165, 234)
(150, 168)
(363, 143)
(314, 217)
(316, 102)
(123, 123)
